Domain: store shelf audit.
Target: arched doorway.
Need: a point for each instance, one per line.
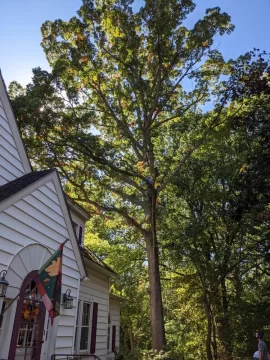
(26, 340)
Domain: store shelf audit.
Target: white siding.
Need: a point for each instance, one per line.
(38, 219)
(115, 321)
(11, 166)
(97, 290)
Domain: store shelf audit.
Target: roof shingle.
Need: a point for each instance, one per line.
(16, 185)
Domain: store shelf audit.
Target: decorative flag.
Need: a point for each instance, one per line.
(49, 283)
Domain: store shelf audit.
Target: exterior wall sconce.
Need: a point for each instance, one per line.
(3, 283)
(68, 300)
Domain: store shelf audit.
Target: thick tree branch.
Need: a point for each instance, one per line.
(131, 198)
(110, 209)
(105, 162)
(121, 125)
(178, 81)
(173, 117)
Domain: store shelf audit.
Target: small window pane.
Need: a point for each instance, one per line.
(85, 326)
(86, 313)
(84, 338)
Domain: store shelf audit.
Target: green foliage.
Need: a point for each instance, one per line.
(162, 165)
(155, 355)
(121, 114)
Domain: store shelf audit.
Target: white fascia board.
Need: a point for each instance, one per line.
(90, 264)
(66, 213)
(14, 126)
(77, 208)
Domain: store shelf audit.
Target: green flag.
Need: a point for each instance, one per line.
(49, 282)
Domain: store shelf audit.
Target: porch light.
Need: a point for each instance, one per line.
(68, 300)
(3, 283)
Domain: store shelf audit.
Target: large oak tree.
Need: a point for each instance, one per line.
(121, 112)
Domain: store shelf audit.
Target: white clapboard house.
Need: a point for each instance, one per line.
(35, 218)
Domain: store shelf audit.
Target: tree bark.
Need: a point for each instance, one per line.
(224, 328)
(214, 338)
(157, 319)
(209, 329)
(131, 337)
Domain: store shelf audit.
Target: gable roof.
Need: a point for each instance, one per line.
(16, 134)
(24, 181)
(16, 185)
(14, 190)
(25, 185)
(92, 257)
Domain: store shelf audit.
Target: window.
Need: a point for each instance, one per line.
(82, 331)
(80, 236)
(79, 232)
(109, 333)
(85, 325)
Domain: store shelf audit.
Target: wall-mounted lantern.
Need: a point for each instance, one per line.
(3, 283)
(68, 300)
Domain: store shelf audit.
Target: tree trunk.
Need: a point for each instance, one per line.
(214, 337)
(131, 337)
(225, 331)
(209, 330)
(157, 319)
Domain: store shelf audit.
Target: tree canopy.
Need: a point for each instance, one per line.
(166, 145)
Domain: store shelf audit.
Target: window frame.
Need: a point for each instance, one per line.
(79, 232)
(78, 326)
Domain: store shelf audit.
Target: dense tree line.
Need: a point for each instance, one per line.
(175, 177)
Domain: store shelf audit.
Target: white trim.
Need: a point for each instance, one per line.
(77, 349)
(52, 176)
(14, 126)
(75, 324)
(68, 220)
(6, 335)
(117, 298)
(99, 268)
(77, 209)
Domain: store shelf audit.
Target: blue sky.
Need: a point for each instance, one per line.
(20, 37)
